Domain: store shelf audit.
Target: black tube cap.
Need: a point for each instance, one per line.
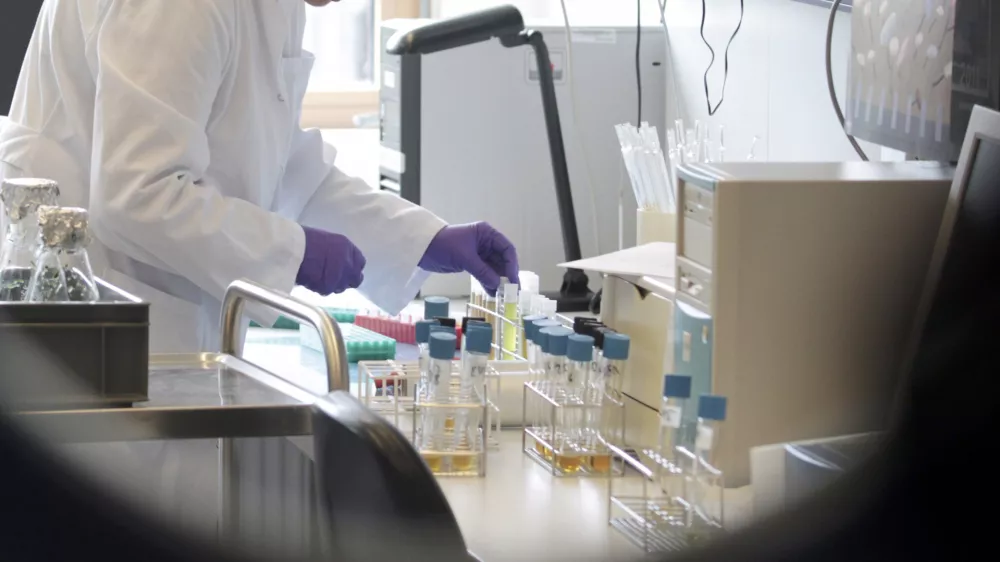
(449, 322)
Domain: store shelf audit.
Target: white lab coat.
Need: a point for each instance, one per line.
(176, 123)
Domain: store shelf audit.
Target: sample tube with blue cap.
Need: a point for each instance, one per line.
(531, 349)
(422, 331)
(557, 342)
(542, 359)
(614, 359)
(438, 391)
(580, 352)
(436, 307)
(676, 393)
(472, 391)
(711, 414)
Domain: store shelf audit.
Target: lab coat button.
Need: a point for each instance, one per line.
(281, 98)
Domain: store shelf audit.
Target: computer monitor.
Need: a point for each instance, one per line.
(965, 266)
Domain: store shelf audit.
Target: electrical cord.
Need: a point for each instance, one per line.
(725, 76)
(578, 125)
(829, 79)
(638, 57)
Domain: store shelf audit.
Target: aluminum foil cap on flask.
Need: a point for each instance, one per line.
(65, 228)
(22, 197)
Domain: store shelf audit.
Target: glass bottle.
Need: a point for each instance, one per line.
(21, 199)
(62, 271)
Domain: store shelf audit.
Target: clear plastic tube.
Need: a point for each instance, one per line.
(471, 391)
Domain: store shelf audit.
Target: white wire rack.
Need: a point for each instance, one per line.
(665, 505)
(571, 438)
(392, 389)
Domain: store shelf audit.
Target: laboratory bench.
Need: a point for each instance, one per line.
(519, 510)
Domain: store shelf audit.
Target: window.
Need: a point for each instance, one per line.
(343, 36)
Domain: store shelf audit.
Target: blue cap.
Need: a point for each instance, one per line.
(712, 407)
(443, 346)
(540, 325)
(479, 339)
(557, 340)
(676, 386)
(616, 346)
(580, 348)
(439, 329)
(478, 324)
(437, 307)
(423, 330)
(529, 326)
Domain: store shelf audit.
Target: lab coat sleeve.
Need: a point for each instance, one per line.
(159, 66)
(392, 233)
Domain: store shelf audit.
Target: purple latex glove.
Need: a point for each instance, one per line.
(477, 248)
(331, 264)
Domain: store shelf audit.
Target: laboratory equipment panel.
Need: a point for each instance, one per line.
(463, 134)
(796, 288)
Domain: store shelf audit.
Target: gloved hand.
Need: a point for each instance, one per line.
(476, 248)
(331, 264)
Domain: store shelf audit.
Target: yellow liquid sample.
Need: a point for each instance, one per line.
(433, 461)
(543, 450)
(601, 464)
(510, 332)
(449, 424)
(568, 464)
(463, 463)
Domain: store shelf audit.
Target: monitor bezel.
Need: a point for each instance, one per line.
(984, 124)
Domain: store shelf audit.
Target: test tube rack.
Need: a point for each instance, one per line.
(548, 438)
(663, 505)
(392, 389)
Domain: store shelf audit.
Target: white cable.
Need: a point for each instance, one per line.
(578, 125)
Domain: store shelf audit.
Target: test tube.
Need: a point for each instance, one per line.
(557, 342)
(544, 360)
(676, 392)
(422, 331)
(711, 414)
(531, 348)
(580, 352)
(442, 352)
(472, 390)
(615, 358)
(509, 307)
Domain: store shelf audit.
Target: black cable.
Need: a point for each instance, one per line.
(638, 56)
(829, 80)
(725, 76)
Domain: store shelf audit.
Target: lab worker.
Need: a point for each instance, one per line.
(175, 122)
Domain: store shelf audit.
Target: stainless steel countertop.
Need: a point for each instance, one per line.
(192, 397)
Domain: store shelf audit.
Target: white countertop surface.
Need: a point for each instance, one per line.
(519, 511)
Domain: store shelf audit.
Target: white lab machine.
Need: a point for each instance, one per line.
(796, 287)
(463, 134)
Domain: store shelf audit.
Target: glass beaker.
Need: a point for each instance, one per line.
(21, 199)
(62, 271)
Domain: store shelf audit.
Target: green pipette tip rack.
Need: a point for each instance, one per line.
(362, 344)
(342, 315)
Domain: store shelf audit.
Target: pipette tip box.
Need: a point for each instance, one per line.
(342, 315)
(361, 344)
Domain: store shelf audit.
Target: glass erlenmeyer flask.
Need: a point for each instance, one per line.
(21, 200)
(62, 271)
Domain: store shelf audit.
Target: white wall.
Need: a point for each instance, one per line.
(777, 79)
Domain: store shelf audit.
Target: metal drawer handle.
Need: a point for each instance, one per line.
(334, 351)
